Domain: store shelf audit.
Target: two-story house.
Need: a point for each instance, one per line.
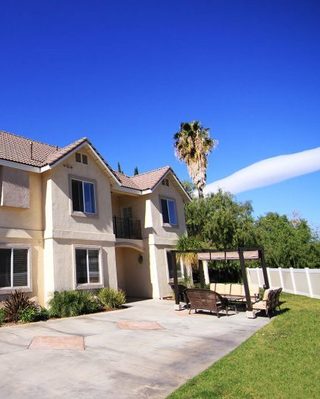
(68, 221)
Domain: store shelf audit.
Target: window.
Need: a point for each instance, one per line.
(13, 267)
(81, 158)
(83, 196)
(84, 159)
(87, 266)
(170, 267)
(165, 182)
(169, 211)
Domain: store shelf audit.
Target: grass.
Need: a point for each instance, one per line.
(280, 361)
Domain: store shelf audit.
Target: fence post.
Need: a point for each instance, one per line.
(293, 280)
(309, 282)
(281, 277)
(269, 277)
(257, 269)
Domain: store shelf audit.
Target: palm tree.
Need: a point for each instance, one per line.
(193, 144)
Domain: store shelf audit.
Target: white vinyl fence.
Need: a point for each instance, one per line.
(295, 281)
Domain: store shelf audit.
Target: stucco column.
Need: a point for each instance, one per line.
(48, 270)
(111, 268)
(206, 271)
(154, 270)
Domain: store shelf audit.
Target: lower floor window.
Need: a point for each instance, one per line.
(87, 266)
(170, 267)
(13, 267)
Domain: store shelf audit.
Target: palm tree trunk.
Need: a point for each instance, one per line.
(200, 192)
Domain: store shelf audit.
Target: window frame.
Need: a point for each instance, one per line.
(180, 268)
(169, 224)
(24, 288)
(83, 180)
(87, 285)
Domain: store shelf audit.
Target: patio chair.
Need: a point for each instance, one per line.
(268, 303)
(201, 299)
(181, 292)
(277, 299)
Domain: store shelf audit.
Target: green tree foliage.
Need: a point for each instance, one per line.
(189, 187)
(119, 168)
(287, 243)
(136, 171)
(221, 221)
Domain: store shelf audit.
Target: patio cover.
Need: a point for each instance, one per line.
(241, 254)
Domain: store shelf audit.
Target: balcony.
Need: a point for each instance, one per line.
(127, 228)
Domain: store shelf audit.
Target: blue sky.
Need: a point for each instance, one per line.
(126, 73)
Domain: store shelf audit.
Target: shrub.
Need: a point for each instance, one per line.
(111, 298)
(16, 303)
(31, 314)
(73, 303)
(2, 316)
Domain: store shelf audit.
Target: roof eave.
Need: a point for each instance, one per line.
(97, 157)
(170, 170)
(21, 166)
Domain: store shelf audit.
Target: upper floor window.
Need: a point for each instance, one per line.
(87, 266)
(169, 211)
(81, 158)
(13, 267)
(83, 196)
(165, 182)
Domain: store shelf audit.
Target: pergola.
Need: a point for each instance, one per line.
(240, 254)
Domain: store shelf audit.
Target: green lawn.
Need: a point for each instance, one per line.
(282, 360)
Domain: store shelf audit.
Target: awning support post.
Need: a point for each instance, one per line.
(245, 279)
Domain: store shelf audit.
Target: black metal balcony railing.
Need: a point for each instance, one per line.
(127, 228)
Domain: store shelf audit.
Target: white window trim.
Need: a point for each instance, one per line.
(28, 287)
(85, 286)
(176, 209)
(83, 180)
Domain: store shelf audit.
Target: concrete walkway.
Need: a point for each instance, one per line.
(145, 351)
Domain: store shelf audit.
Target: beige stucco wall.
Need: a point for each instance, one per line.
(65, 230)
(163, 238)
(23, 227)
(157, 237)
(171, 192)
(60, 270)
(59, 215)
(133, 277)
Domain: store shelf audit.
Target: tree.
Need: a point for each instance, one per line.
(287, 243)
(119, 168)
(192, 145)
(136, 171)
(220, 221)
(189, 187)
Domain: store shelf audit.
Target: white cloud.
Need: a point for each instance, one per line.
(269, 171)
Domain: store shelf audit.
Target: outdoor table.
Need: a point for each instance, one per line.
(238, 300)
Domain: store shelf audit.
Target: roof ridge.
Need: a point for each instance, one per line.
(121, 173)
(27, 138)
(151, 171)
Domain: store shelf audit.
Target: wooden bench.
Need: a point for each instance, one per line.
(201, 299)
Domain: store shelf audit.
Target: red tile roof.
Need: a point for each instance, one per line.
(33, 153)
(30, 152)
(143, 181)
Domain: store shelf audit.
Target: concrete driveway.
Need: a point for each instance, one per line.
(144, 351)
